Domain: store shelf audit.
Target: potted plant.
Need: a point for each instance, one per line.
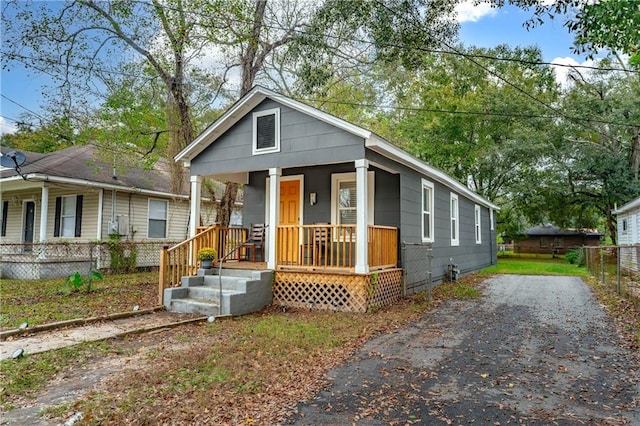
(206, 255)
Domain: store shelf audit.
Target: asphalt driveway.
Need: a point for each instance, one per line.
(531, 350)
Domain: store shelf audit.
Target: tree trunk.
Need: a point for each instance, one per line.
(251, 64)
(612, 227)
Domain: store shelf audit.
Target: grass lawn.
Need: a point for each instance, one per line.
(534, 266)
(43, 301)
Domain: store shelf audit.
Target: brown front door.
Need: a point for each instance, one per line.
(289, 215)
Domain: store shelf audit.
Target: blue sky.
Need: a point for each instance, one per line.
(480, 26)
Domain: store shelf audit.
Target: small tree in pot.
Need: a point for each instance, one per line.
(207, 255)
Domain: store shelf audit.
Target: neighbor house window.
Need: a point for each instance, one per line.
(427, 211)
(477, 227)
(158, 218)
(68, 220)
(344, 198)
(455, 225)
(266, 131)
(624, 225)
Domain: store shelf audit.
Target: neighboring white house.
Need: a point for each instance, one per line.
(629, 234)
(73, 195)
(70, 198)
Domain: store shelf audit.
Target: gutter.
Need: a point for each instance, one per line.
(46, 178)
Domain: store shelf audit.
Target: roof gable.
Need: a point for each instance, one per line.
(248, 103)
(631, 205)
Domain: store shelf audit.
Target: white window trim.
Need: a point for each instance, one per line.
(166, 219)
(336, 178)
(477, 214)
(454, 215)
(63, 217)
(254, 144)
(429, 185)
(491, 219)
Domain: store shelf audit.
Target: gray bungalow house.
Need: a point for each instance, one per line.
(339, 203)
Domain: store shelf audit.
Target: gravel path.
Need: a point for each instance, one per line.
(532, 350)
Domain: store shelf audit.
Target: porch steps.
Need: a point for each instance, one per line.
(243, 292)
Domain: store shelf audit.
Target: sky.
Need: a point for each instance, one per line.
(480, 26)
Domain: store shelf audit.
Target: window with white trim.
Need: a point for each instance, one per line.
(478, 228)
(427, 211)
(266, 131)
(455, 225)
(68, 216)
(624, 225)
(344, 198)
(158, 210)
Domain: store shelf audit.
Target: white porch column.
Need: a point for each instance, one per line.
(274, 215)
(100, 209)
(44, 213)
(362, 246)
(194, 216)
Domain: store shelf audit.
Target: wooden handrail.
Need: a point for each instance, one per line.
(181, 260)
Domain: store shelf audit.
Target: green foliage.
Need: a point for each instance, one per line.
(123, 254)
(533, 266)
(575, 257)
(77, 282)
(207, 253)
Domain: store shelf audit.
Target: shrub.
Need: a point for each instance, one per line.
(575, 257)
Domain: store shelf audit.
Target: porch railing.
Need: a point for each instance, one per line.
(325, 246)
(181, 259)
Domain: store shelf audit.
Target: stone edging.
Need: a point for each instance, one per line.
(76, 322)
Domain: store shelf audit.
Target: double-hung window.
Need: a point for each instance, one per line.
(478, 227)
(158, 219)
(427, 211)
(455, 223)
(344, 199)
(68, 218)
(266, 131)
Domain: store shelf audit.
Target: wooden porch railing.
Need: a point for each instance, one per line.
(325, 246)
(181, 259)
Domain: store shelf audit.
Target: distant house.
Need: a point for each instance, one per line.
(72, 196)
(550, 239)
(628, 218)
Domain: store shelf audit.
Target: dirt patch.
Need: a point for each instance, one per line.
(74, 382)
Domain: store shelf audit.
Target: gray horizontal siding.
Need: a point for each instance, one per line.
(303, 140)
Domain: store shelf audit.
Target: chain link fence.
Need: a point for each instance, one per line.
(617, 267)
(61, 259)
(416, 262)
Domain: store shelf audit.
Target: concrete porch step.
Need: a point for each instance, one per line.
(193, 306)
(243, 292)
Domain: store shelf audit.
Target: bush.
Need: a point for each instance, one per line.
(575, 257)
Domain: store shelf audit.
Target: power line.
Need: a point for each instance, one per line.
(22, 106)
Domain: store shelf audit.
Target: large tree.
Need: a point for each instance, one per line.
(224, 40)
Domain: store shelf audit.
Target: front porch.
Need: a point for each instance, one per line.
(314, 264)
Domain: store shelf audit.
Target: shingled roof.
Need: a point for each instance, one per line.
(82, 164)
(554, 231)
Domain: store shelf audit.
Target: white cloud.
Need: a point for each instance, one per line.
(469, 11)
(5, 127)
(562, 71)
